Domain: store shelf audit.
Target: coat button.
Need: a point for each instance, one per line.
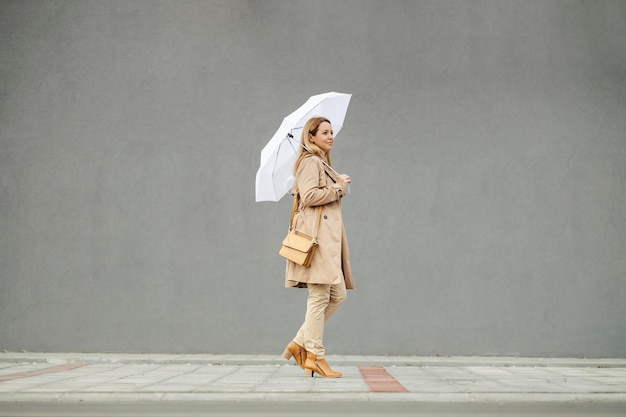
(325, 216)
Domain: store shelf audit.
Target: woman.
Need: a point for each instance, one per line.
(329, 275)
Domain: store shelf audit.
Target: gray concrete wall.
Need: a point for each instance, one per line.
(485, 139)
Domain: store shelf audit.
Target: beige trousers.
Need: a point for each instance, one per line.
(322, 302)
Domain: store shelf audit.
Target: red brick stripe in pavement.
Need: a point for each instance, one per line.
(59, 368)
(379, 380)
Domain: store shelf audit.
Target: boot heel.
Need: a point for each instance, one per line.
(320, 366)
(287, 354)
(308, 373)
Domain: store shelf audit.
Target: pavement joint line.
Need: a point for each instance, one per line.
(37, 372)
(268, 378)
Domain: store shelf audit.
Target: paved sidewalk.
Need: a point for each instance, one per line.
(56, 377)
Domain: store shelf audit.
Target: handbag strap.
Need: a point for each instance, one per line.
(296, 197)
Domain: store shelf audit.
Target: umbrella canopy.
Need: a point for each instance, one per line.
(275, 177)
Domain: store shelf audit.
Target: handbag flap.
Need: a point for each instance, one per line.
(299, 240)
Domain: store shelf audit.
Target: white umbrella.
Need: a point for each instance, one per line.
(275, 177)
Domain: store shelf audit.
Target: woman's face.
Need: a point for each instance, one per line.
(324, 137)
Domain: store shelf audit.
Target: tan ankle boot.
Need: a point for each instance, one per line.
(297, 351)
(320, 366)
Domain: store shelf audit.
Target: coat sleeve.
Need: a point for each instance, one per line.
(314, 191)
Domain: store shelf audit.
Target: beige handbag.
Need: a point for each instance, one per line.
(298, 246)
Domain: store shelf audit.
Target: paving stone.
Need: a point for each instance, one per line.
(248, 377)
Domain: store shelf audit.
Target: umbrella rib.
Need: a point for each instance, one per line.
(278, 152)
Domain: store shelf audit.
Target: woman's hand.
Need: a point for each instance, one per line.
(343, 180)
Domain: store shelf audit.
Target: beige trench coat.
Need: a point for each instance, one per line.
(331, 262)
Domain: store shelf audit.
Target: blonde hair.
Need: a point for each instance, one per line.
(309, 148)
